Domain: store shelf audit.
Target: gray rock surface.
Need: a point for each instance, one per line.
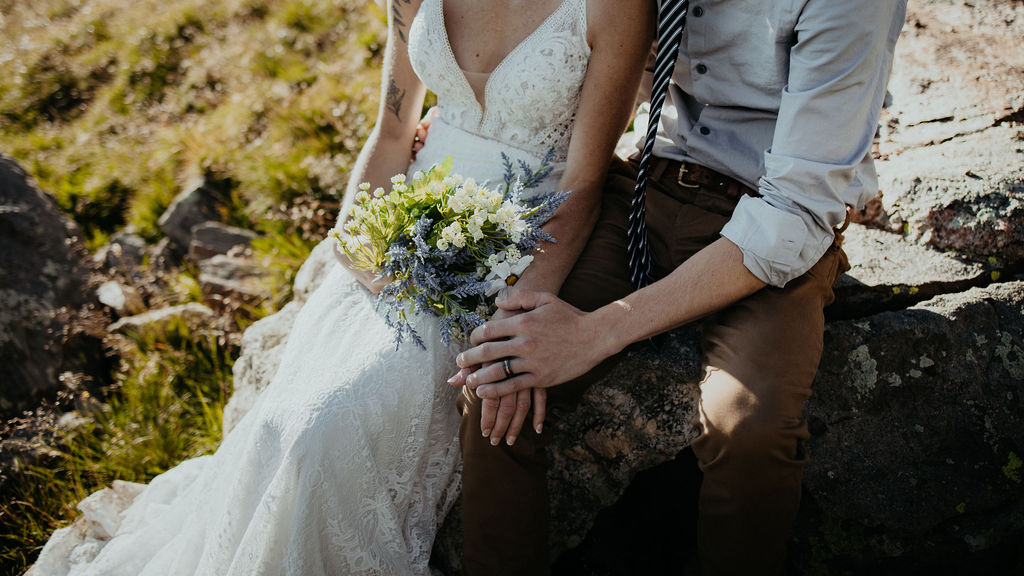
(212, 238)
(889, 271)
(193, 205)
(122, 299)
(46, 295)
(954, 175)
(263, 342)
(124, 251)
(192, 314)
(916, 424)
(228, 281)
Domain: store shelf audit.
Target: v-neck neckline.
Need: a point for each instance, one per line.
(482, 106)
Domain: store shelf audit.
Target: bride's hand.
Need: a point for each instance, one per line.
(421, 131)
(504, 417)
(368, 279)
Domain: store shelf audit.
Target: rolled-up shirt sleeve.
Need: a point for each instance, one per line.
(819, 161)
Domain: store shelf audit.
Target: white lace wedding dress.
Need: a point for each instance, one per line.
(348, 461)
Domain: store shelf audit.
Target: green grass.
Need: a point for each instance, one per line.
(166, 407)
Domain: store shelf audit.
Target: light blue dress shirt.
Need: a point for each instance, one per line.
(784, 96)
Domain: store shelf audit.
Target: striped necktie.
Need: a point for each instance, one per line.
(671, 20)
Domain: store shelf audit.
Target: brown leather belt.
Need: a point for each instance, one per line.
(690, 175)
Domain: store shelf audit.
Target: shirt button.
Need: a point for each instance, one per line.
(705, 130)
(698, 11)
(702, 69)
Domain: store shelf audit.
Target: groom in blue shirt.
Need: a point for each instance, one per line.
(763, 147)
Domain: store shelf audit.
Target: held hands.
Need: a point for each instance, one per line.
(504, 417)
(550, 342)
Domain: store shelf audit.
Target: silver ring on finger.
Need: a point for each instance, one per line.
(506, 364)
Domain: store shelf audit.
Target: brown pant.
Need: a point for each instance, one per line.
(760, 356)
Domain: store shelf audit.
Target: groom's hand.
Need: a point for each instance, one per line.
(551, 343)
(504, 417)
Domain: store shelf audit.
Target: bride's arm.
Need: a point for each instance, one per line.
(386, 151)
(619, 49)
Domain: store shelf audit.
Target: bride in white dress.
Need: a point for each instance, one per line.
(348, 461)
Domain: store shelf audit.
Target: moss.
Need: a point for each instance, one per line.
(1013, 467)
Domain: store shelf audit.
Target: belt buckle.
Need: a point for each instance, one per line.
(682, 173)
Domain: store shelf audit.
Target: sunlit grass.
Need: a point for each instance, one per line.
(167, 407)
(114, 106)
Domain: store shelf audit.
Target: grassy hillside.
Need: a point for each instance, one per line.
(114, 105)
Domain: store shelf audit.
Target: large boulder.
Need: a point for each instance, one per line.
(918, 437)
(48, 323)
(954, 175)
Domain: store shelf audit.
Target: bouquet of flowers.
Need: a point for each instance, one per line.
(447, 244)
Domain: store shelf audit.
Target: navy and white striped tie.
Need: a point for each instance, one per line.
(671, 20)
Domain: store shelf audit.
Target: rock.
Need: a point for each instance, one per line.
(212, 238)
(192, 314)
(121, 298)
(101, 516)
(161, 255)
(313, 271)
(965, 195)
(890, 272)
(228, 281)
(48, 318)
(953, 168)
(196, 204)
(916, 424)
(125, 251)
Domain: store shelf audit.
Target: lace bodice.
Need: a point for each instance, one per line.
(530, 98)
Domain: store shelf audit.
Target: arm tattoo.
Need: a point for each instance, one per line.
(394, 100)
(399, 20)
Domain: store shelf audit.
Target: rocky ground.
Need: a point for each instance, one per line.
(918, 435)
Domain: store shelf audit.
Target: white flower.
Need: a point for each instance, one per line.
(493, 259)
(364, 186)
(512, 253)
(418, 176)
(475, 225)
(452, 234)
(353, 244)
(506, 216)
(459, 201)
(506, 273)
(378, 192)
(398, 179)
(484, 310)
(442, 244)
(488, 200)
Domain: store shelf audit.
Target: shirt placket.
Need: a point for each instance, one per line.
(699, 67)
